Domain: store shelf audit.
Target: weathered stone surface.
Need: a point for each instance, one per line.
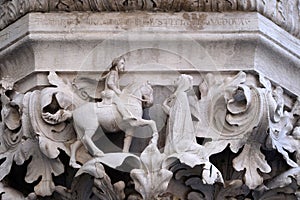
(243, 112)
(285, 13)
(190, 105)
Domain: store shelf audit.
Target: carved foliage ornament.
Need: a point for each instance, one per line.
(234, 114)
(285, 13)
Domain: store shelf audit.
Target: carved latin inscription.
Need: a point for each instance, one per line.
(178, 21)
(284, 13)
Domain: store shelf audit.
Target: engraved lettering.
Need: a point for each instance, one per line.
(159, 22)
(226, 22)
(145, 22)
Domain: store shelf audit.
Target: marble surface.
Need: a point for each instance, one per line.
(202, 106)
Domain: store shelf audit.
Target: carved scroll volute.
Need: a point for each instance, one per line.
(230, 108)
(249, 116)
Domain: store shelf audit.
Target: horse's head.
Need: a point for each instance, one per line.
(147, 95)
(140, 91)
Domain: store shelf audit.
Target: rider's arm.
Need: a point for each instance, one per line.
(112, 82)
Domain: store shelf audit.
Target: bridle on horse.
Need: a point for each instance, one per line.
(138, 98)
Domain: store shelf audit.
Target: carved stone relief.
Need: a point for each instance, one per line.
(230, 137)
(284, 13)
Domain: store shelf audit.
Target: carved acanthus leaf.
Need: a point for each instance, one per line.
(285, 178)
(210, 174)
(296, 107)
(50, 138)
(11, 142)
(93, 168)
(13, 153)
(103, 188)
(9, 193)
(186, 178)
(281, 140)
(151, 180)
(191, 178)
(26, 135)
(147, 173)
(199, 189)
(11, 117)
(243, 114)
(51, 148)
(284, 186)
(286, 193)
(219, 145)
(233, 189)
(41, 166)
(252, 159)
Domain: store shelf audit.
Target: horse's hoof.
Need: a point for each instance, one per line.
(75, 165)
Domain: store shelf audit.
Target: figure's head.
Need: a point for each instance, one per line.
(184, 82)
(118, 64)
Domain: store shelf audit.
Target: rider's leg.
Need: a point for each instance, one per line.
(126, 114)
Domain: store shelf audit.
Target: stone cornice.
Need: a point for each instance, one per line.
(245, 41)
(285, 13)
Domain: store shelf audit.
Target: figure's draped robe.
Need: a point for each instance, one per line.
(180, 129)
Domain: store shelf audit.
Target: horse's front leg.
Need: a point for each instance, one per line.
(89, 144)
(74, 147)
(151, 123)
(127, 140)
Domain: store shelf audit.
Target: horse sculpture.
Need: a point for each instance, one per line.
(88, 117)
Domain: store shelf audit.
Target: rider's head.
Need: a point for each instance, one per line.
(118, 64)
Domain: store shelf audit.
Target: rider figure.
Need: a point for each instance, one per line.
(112, 89)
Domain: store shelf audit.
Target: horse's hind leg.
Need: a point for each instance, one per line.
(74, 147)
(89, 144)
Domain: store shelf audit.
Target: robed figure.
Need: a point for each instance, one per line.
(180, 128)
